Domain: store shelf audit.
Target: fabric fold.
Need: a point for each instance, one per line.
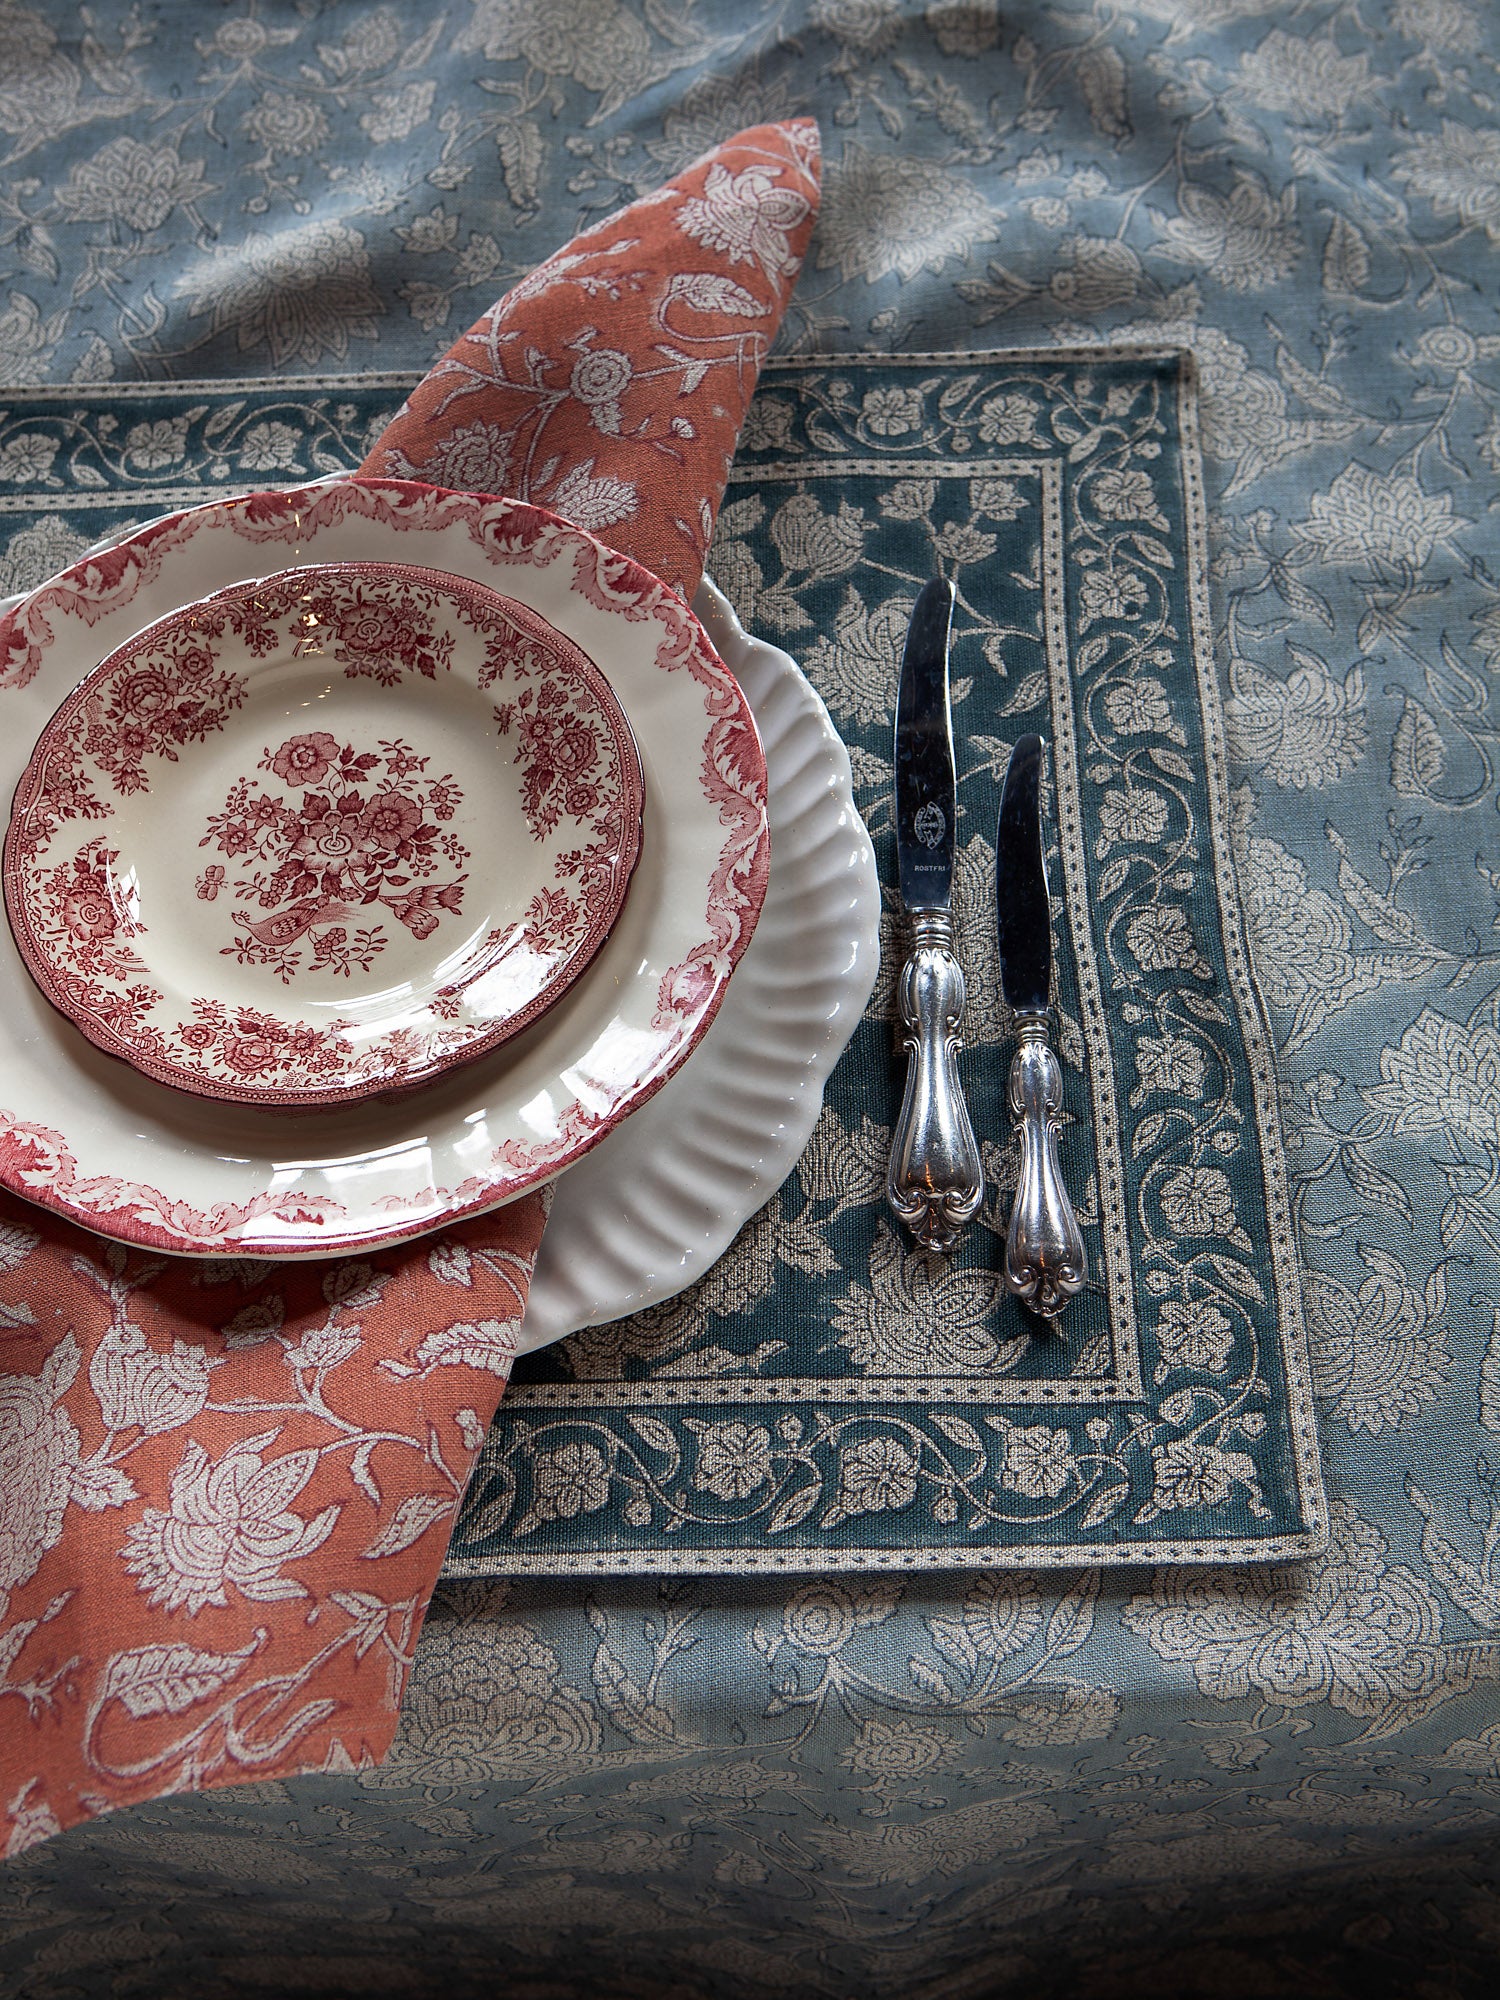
(226, 1486)
(610, 385)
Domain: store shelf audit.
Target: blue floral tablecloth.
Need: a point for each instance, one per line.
(1201, 1781)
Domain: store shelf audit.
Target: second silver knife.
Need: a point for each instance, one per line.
(1044, 1257)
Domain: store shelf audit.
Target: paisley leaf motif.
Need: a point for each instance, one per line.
(1346, 259)
(794, 1508)
(707, 292)
(413, 1517)
(1489, 1380)
(1418, 759)
(1102, 80)
(1072, 1619)
(166, 1679)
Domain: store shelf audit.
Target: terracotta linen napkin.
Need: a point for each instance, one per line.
(226, 1486)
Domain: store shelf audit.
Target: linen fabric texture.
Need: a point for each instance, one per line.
(226, 1486)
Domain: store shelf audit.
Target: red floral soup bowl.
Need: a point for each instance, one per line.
(324, 835)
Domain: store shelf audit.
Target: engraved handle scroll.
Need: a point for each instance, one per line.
(935, 1182)
(1044, 1256)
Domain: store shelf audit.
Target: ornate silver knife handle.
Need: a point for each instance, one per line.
(1044, 1257)
(935, 1182)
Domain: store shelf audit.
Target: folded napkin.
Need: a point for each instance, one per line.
(226, 1487)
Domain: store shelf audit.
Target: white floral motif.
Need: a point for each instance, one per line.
(1303, 939)
(398, 113)
(1458, 171)
(748, 217)
(154, 446)
(38, 551)
(1002, 1613)
(1125, 493)
(1380, 1354)
(1352, 1628)
(1442, 1076)
(472, 458)
(270, 447)
(888, 213)
(876, 1476)
(1139, 708)
(590, 502)
(1367, 516)
(892, 412)
(821, 1618)
(491, 1702)
(1248, 238)
(819, 543)
(1094, 274)
(229, 1522)
(571, 1479)
(1038, 1461)
(1171, 1063)
(1193, 1334)
(303, 292)
(599, 42)
(27, 458)
(897, 1750)
(846, 666)
(734, 1459)
(601, 375)
(869, 26)
(1309, 729)
(1108, 592)
(134, 183)
(324, 1347)
(963, 27)
(1161, 938)
(286, 125)
(1008, 419)
(1305, 76)
(1438, 24)
(40, 1459)
(1193, 1475)
(1199, 1201)
(139, 1384)
(1136, 815)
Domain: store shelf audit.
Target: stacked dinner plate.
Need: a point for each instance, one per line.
(378, 854)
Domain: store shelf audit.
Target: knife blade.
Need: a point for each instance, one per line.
(934, 1181)
(1044, 1256)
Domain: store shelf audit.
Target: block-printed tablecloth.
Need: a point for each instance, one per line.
(1240, 1781)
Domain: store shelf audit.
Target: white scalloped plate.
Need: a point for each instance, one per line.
(657, 1203)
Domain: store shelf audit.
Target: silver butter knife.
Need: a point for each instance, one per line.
(1044, 1257)
(935, 1182)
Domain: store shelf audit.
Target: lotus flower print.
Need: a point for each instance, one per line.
(228, 1523)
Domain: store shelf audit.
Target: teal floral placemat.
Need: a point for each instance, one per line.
(829, 1397)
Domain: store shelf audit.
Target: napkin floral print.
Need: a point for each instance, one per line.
(831, 1398)
(598, 427)
(198, 1475)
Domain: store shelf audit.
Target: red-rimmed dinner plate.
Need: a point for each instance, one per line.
(325, 834)
(95, 1140)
